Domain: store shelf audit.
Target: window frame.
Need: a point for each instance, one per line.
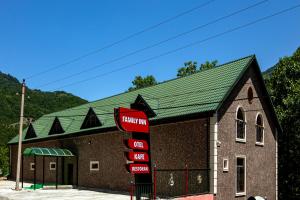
(263, 129)
(225, 169)
(242, 140)
(52, 169)
(237, 194)
(32, 168)
(94, 162)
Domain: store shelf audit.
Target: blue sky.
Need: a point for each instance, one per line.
(37, 35)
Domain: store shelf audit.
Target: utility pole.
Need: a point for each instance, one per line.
(20, 137)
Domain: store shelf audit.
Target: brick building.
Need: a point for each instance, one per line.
(219, 123)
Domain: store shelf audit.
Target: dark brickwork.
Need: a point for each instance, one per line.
(172, 145)
(261, 164)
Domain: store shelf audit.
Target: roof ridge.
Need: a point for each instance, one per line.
(230, 73)
(173, 79)
(252, 55)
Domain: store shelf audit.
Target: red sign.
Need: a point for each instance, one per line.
(130, 120)
(139, 169)
(137, 144)
(138, 156)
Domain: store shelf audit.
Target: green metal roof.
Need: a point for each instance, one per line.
(200, 92)
(38, 151)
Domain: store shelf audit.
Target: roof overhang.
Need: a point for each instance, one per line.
(55, 152)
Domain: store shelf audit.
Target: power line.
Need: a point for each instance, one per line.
(89, 105)
(182, 47)
(161, 108)
(197, 28)
(156, 98)
(122, 40)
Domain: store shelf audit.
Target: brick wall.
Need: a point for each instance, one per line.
(260, 167)
(172, 145)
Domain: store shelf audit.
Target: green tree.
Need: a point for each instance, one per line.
(284, 87)
(141, 82)
(208, 65)
(4, 161)
(38, 104)
(190, 67)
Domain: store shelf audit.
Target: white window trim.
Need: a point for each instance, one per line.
(94, 162)
(237, 194)
(226, 169)
(263, 132)
(51, 163)
(31, 168)
(245, 121)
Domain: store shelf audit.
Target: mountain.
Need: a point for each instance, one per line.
(37, 103)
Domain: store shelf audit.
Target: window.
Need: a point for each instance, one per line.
(52, 165)
(240, 126)
(94, 165)
(225, 165)
(240, 175)
(32, 166)
(250, 95)
(259, 130)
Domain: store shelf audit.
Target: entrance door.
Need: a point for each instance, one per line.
(70, 174)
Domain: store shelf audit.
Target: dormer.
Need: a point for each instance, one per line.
(91, 120)
(141, 104)
(30, 133)
(56, 127)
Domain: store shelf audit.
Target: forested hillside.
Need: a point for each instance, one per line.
(284, 88)
(37, 103)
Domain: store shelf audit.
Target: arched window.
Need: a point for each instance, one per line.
(240, 125)
(259, 129)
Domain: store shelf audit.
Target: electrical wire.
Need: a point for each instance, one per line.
(197, 28)
(121, 40)
(154, 109)
(182, 47)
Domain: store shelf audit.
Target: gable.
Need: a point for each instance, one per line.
(141, 104)
(91, 120)
(56, 127)
(30, 133)
(255, 101)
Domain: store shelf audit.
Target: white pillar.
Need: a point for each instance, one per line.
(213, 153)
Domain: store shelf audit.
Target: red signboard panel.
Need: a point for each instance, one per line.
(139, 169)
(138, 144)
(138, 156)
(131, 120)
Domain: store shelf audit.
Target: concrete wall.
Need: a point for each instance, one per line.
(260, 160)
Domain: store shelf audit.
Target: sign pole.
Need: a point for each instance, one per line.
(20, 137)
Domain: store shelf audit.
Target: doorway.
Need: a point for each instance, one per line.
(70, 174)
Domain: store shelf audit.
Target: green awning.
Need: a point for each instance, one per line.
(39, 151)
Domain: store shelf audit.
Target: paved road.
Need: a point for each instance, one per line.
(7, 193)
